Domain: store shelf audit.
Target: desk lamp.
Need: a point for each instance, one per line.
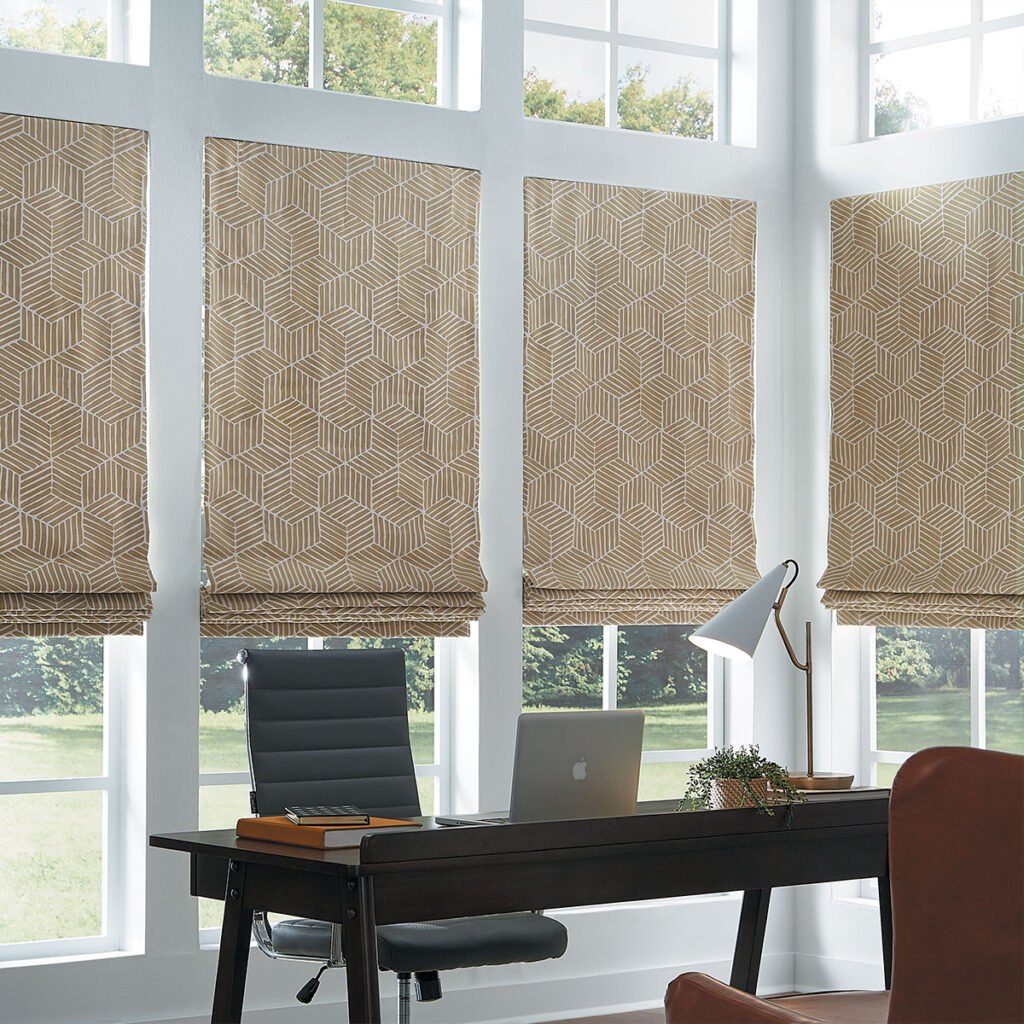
(735, 632)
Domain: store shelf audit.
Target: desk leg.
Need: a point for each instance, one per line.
(885, 913)
(233, 958)
(359, 943)
(746, 960)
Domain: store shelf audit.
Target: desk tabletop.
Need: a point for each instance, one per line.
(654, 822)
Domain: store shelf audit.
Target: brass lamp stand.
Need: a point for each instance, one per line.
(809, 779)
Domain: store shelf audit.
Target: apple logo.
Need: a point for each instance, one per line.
(579, 769)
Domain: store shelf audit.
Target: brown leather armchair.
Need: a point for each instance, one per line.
(956, 870)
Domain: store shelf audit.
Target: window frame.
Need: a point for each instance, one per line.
(127, 32)
(113, 785)
(614, 39)
(975, 31)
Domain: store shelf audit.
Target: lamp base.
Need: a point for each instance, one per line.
(821, 780)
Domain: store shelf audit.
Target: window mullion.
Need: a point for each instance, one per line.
(869, 711)
(976, 44)
(610, 649)
(978, 738)
(316, 44)
(866, 88)
(723, 102)
(611, 106)
(448, 56)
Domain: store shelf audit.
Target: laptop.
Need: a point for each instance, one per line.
(570, 764)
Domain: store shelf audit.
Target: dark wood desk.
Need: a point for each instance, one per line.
(441, 872)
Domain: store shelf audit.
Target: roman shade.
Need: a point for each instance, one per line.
(341, 395)
(73, 528)
(927, 468)
(638, 434)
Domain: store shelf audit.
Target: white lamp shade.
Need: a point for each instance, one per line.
(735, 631)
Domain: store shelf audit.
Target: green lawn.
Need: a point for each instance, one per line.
(38, 859)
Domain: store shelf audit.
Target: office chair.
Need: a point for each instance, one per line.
(956, 874)
(332, 727)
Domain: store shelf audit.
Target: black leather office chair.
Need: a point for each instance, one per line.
(332, 727)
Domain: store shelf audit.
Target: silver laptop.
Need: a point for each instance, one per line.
(571, 764)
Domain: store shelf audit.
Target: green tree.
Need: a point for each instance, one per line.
(41, 28)
(262, 40)
(910, 658)
(373, 52)
(543, 99)
(658, 665)
(895, 113)
(681, 109)
(562, 666)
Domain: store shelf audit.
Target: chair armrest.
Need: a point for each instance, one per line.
(699, 999)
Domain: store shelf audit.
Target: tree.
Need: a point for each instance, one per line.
(681, 109)
(909, 659)
(373, 52)
(658, 665)
(562, 666)
(263, 40)
(896, 113)
(42, 29)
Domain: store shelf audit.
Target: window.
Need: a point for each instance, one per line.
(223, 760)
(641, 65)
(395, 49)
(932, 687)
(941, 62)
(116, 31)
(60, 797)
(651, 667)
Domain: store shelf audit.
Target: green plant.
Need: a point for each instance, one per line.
(744, 764)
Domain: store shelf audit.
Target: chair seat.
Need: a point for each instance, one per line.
(438, 945)
(840, 1007)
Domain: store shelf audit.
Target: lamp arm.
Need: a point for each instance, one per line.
(805, 668)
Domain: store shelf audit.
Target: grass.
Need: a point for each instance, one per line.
(39, 859)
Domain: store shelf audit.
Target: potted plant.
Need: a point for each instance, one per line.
(740, 777)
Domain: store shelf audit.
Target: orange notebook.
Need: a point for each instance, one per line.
(276, 828)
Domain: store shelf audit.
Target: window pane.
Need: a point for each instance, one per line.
(51, 708)
(1004, 686)
(419, 683)
(263, 40)
(660, 671)
(1002, 8)
(564, 79)
(562, 667)
(884, 774)
(923, 689)
(219, 807)
(53, 885)
(372, 52)
(923, 87)
(894, 19)
(582, 13)
(427, 786)
(664, 780)
(666, 94)
(1002, 73)
(692, 22)
(78, 29)
(221, 700)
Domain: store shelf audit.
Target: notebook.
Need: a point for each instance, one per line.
(570, 764)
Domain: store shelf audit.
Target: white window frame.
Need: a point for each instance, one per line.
(447, 40)
(111, 782)
(975, 30)
(127, 28)
(614, 39)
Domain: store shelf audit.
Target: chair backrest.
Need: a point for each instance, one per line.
(329, 727)
(956, 868)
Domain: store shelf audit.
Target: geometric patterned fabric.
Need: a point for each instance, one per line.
(342, 384)
(639, 402)
(73, 529)
(926, 488)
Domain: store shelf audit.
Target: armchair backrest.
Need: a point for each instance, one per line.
(329, 727)
(956, 867)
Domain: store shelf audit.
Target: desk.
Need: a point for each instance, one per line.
(441, 872)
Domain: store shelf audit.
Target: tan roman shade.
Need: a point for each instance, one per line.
(73, 529)
(341, 390)
(639, 396)
(927, 469)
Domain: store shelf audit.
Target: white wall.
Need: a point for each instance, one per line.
(617, 956)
